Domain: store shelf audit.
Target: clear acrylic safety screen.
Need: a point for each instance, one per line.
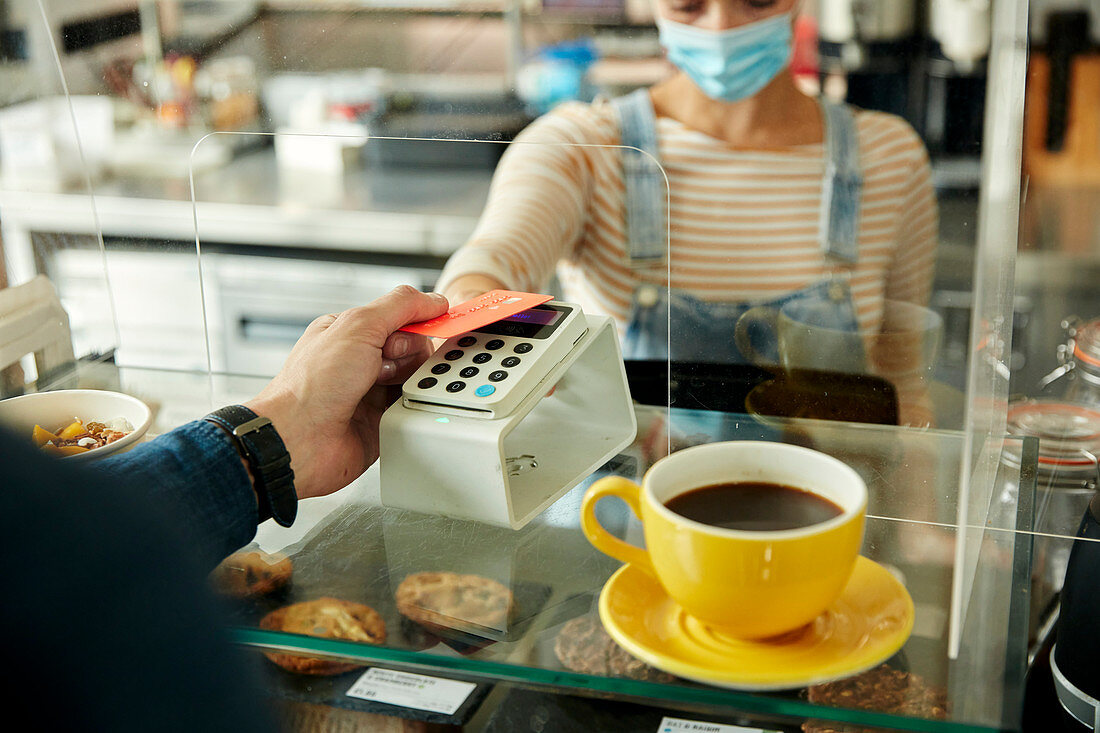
(200, 294)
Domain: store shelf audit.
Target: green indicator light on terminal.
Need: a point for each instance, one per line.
(442, 419)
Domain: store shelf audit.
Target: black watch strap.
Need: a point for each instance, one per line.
(260, 444)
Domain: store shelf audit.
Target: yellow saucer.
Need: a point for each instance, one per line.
(868, 623)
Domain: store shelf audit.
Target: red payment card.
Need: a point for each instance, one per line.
(489, 308)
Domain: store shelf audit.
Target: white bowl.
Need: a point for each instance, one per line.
(54, 410)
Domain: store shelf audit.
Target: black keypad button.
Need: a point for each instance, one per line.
(441, 368)
(456, 386)
(469, 372)
(453, 354)
(523, 348)
(498, 376)
(509, 361)
(494, 345)
(427, 382)
(482, 358)
(467, 341)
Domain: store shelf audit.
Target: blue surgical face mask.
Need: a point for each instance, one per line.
(731, 64)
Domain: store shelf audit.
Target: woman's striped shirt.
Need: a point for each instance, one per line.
(744, 224)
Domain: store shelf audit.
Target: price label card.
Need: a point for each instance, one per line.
(409, 690)
(680, 725)
(473, 314)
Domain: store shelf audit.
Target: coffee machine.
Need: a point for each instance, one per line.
(867, 51)
(1073, 661)
(954, 77)
(923, 61)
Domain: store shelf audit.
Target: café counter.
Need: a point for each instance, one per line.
(552, 647)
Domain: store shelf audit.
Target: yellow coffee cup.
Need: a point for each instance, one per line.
(748, 584)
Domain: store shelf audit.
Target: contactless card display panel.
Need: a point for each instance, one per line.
(539, 322)
(474, 314)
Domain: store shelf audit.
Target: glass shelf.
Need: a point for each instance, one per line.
(347, 546)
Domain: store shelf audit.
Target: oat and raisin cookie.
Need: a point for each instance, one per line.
(883, 689)
(251, 573)
(451, 600)
(329, 618)
(583, 646)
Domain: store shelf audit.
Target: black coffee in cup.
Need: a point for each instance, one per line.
(753, 506)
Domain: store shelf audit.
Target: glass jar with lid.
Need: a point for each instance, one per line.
(1079, 360)
(1066, 480)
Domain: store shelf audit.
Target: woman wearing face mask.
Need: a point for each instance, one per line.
(772, 196)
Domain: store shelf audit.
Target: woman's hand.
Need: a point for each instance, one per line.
(346, 369)
(469, 287)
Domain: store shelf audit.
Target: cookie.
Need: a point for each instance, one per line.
(883, 689)
(251, 573)
(329, 618)
(583, 646)
(450, 600)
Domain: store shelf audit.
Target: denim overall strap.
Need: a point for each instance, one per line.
(703, 331)
(842, 186)
(646, 192)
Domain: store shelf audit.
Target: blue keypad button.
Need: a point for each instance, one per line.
(485, 390)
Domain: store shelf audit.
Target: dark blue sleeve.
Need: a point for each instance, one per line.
(111, 625)
(197, 475)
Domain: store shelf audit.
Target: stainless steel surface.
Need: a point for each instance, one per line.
(252, 201)
(398, 223)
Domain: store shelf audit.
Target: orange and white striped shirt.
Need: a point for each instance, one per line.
(744, 224)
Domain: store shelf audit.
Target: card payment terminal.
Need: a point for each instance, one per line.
(502, 420)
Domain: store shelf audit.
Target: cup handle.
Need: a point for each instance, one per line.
(603, 540)
(764, 315)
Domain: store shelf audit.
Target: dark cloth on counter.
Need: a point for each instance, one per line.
(108, 620)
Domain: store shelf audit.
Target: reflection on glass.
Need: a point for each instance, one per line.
(172, 73)
(746, 192)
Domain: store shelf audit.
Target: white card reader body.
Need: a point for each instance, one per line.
(501, 421)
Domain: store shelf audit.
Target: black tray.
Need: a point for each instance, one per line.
(764, 391)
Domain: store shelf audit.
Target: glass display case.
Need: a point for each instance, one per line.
(215, 175)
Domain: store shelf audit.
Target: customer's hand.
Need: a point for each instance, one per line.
(328, 398)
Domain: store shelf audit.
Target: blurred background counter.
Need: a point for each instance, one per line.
(325, 243)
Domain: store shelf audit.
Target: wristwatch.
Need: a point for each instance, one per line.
(259, 443)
